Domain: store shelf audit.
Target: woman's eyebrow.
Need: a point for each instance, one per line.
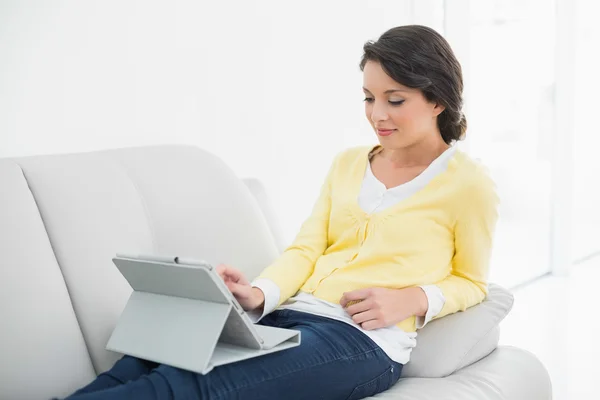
(395, 90)
(389, 91)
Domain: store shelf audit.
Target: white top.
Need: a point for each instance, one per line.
(373, 197)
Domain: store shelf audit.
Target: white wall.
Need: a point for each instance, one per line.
(272, 87)
(586, 138)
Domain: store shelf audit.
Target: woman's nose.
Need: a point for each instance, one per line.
(378, 113)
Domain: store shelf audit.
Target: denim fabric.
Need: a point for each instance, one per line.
(334, 361)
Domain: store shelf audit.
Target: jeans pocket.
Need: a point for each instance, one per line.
(376, 385)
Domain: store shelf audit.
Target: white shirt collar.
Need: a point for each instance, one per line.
(438, 165)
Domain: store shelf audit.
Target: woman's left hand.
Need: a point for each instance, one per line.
(375, 308)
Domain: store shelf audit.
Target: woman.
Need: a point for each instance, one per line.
(400, 235)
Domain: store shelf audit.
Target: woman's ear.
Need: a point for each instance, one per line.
(438, 109)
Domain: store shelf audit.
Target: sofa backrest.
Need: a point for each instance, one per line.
(63, 218)
(39, 333)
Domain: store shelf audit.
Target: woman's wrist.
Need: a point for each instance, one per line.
(420, 301)
(258, 299)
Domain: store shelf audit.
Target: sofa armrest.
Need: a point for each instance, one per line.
(455, 341)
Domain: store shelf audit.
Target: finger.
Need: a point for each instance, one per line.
(236, 289)
(228, 273)
(232, 276)
(230, 285)
(373, 324)
(361, 306)
(238, 276)
(365, 316)
(354, 295)
(221, 268)
(242, 278)
(235, 275)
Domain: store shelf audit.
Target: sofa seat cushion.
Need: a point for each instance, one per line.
(508, 373)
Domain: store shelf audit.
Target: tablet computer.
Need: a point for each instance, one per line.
(190, 279)
(181, 313)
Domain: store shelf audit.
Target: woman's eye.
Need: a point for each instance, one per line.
(394, 103)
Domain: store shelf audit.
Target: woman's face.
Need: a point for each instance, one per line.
(400, 116)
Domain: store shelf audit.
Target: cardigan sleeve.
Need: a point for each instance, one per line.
(466, 285)
(295, 265)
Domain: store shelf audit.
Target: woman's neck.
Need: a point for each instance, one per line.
(419, 154)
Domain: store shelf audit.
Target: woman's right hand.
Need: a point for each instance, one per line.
(250, 298)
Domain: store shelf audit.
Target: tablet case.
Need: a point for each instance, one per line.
(182, 314)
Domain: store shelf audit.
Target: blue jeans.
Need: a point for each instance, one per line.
(334, 361)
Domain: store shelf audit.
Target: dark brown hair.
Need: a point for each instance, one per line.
(420, 58)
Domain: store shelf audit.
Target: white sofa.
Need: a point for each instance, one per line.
(63, 217)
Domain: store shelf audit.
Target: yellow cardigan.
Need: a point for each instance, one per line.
(440, 235)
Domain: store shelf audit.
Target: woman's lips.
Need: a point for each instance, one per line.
(385, 132)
